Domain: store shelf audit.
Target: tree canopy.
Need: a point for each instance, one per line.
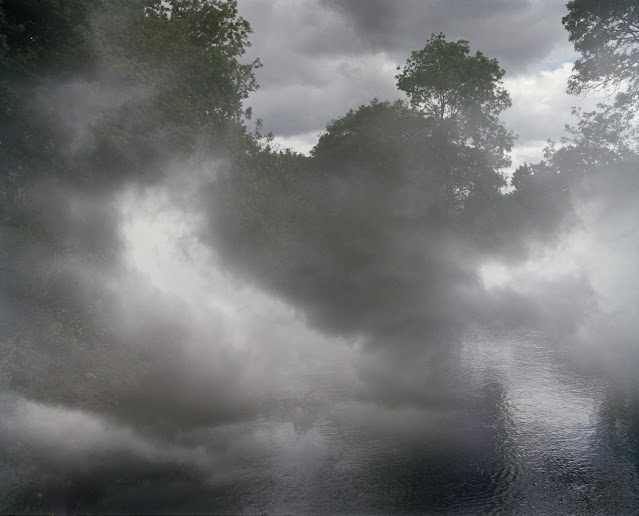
(462, 95)
(447, 83)
(606, 33)
(111, 88)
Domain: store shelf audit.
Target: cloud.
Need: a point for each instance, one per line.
(541, 109)
(516, 33)
(295, 108)
(323, 58)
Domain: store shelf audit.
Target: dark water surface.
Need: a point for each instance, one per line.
(528, 431)
(536, 435)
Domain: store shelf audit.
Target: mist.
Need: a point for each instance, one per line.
(194, 319)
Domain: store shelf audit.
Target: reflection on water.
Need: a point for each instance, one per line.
(553, 425)
(527, 431)
(532, 434)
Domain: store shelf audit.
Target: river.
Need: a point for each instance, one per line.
(532, 431)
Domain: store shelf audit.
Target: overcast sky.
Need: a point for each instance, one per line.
(323, 57)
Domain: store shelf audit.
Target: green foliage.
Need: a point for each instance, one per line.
(168, 80)
(445, 82)
(186, 49)
(260, 206)
(44, 37)
(181, 59)
(601, 139)
(606, 33)
(39, 40)
(463, 96)
(601, 142)
(375, 153)
(384, 168)
(374, 139)
(159, 79)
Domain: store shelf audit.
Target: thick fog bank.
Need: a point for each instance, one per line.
(192, 320)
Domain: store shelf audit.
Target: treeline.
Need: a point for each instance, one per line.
(100, 95)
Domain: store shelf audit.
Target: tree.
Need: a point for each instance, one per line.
(167, 76)
(373, 141)
(177, 66)
(599, 146)
(463, 96)
(445, 82)
(606, 33)
(176, 45)
(185, 58)
(41, 41)
(378, 154)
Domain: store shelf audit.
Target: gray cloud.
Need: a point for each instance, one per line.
(323, 58)
(294, 107)
(516, 33)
